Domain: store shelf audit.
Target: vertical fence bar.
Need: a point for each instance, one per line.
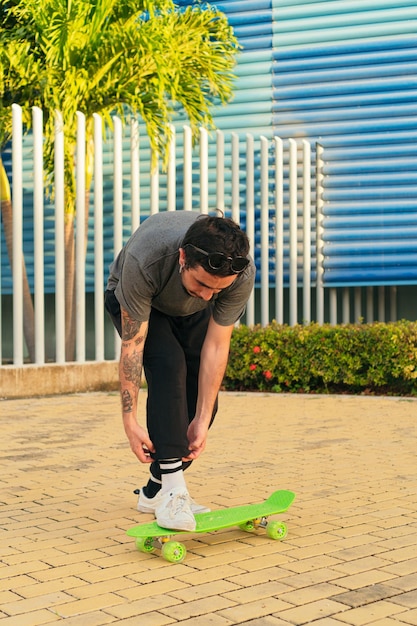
(357, 304)
(319, 235)
(306, 232)
(134, 173)
(117, 200)
(203, 171)
(98, 239)
(171, 172)
(235, 179)
(80, 241)
(369, 305)
(264, 233)
(346, 305)
(279, 230)
(117, 185)
(381, 304)
(393, 304)
(293, 233)
(39, 285)
(154, 184)
(250, 217)
(17, 210)
(333, 306)
(188, 169)
(59, 180)
(220, 170)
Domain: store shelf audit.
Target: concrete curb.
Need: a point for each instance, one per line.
(33, 380)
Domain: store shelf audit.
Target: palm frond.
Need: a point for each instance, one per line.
(102, 56)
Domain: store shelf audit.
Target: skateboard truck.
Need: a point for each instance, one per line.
(172, 551)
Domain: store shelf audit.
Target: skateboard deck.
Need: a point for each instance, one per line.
(248, 518)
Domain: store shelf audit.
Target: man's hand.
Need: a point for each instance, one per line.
(213, 361)
(130, 374)
(139, 441)
(197, 439)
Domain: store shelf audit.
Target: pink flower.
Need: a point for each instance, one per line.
(268, 374)
(256, 349)
(252, 367)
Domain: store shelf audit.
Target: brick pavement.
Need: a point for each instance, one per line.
(350, 557)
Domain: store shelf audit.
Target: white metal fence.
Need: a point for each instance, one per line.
(269, 186)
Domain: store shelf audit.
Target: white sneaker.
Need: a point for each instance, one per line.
(173, 510)
(148, 505)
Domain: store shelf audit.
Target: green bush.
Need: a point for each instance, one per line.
(356, 358)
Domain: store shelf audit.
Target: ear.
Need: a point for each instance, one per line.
(181, 259)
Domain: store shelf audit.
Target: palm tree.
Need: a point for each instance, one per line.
(125, 57)
(14, 88)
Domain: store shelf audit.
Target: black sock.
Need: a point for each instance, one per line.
(151, 489)
(154, 483)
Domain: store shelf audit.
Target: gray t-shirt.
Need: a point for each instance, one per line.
(146, 274)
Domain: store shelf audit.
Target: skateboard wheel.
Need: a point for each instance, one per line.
(144, 544)
(276, 530)
(248, 527)
(174, 551)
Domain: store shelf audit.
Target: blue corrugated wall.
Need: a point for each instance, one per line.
(345, 75)
(250, 111)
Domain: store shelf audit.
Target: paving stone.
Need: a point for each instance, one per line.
(367, 595)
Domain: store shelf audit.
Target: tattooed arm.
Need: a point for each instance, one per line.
(130, 375)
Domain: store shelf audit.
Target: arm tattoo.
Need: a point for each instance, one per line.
(130, 328)
(132, 368)
(127, 401)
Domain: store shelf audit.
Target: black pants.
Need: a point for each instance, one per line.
(171, 362)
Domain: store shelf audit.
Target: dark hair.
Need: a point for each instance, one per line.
(214, 234)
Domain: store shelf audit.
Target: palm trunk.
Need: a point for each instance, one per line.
(28, 310)
(69, 288)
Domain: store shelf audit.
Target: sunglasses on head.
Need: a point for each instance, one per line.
(218, 260)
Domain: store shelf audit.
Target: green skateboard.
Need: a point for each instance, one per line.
(248, 518)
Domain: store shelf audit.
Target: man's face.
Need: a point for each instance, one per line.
(200, 284)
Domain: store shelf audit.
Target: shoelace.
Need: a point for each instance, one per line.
(178, 503)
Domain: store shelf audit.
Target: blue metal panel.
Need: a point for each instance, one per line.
(364, 248)
(252, 24)
(345, 75)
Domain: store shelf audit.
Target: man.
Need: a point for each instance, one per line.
(174, 294)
